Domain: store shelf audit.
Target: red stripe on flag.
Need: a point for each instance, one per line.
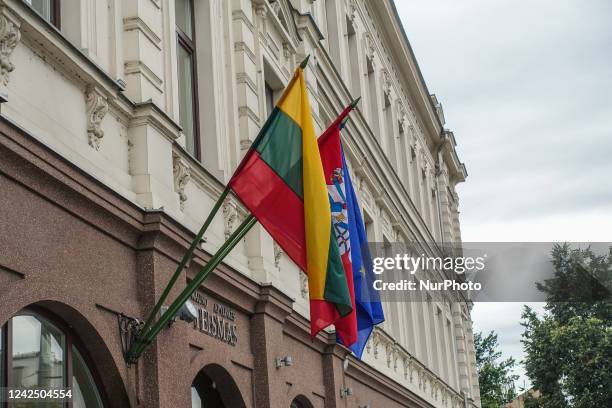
(331, 158)
(274, 204)
(322, 315)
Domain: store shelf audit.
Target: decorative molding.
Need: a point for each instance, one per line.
(275, 5)
(278, 252)
(97, 107)
(352, 10)
(245, 144)
(369, 45)
(376, 343)
(288, 51)
(303, 285)
(244, 78)
(230, 216)
(406, 365)
(262, 11)
(149, 114)
(240, 15)
(244, 47)
(136, 23)
(387, 85)
(247, 111)
(182, 175)
(10, 35)
(135, 67)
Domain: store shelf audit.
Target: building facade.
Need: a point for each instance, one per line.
(121, 122)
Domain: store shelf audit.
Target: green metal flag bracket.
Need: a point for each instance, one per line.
(145, 339)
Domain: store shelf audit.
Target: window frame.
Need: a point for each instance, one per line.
(54, 12)
(190, 45)
(71, 340)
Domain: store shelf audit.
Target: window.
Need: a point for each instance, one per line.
(48, 9)
(373, 96)
(300, 402)
(273, 87)
(40, 353)
(85, 392)
(186, 64)
(353, 59)
(269, 99)
(389, 131)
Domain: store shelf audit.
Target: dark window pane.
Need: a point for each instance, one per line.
(269, 99)
(42, 7)
(204, 393)
(186, 103)
(38, 355)
(84, 391)
(183, 16)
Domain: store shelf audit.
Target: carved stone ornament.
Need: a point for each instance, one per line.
(389, 350)
(278, 252)
(375, 343)
(230, 216)
(262, 11)
(304, 285)
(387, 86)
(182, 174)
(9, 37)
(370, 48)
(406, 365)
(352, 10)
(275, 5)
(286, 50)
(97, 107)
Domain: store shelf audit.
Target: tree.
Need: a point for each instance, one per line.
(569, 348)
(496, 382)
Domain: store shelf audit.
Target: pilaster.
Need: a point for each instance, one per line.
(266, 340)
(333, 375)
(151, 134)
(143, 51)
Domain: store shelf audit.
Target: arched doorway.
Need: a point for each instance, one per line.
(39, 351)
(300, 402)
(214, 387)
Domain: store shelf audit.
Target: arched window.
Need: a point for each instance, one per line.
(214, 387)
(300, 402)
(37, 351)
(204, 392)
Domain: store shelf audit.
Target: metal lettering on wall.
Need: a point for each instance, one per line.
(220, 322)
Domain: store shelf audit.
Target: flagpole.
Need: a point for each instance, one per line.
(149, 331)
(236, 236)
(181, 266)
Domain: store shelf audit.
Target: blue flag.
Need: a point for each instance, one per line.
(367, 300)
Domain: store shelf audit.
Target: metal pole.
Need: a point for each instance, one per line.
(182, 265)
(148, 332)
(240, 232)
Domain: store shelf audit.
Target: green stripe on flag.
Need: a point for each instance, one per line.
(336, 286)
(281, 149)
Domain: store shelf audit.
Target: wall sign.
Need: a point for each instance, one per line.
(218, 321)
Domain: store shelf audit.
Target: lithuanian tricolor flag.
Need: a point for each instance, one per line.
(281, 181)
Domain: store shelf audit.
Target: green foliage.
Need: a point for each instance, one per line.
(569, 348)
(496, 382)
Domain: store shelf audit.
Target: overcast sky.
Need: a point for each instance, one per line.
(527, 89)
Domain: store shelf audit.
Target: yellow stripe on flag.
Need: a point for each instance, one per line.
(317, 214)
